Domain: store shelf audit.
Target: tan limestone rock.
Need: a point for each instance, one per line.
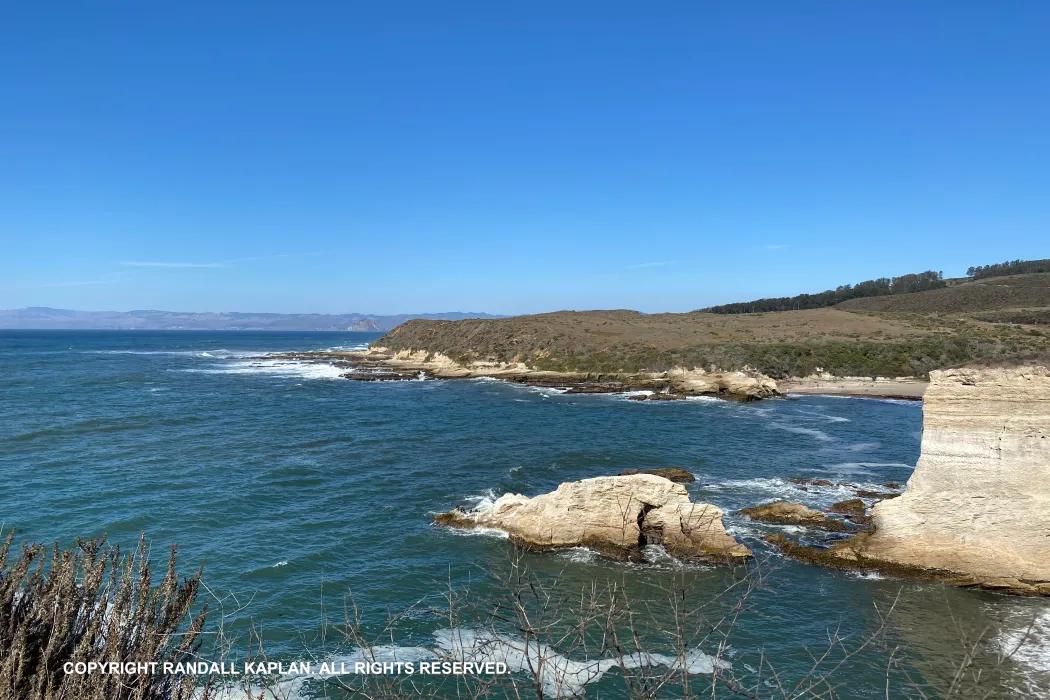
(788, 513)
(976, 510)
(616, 515)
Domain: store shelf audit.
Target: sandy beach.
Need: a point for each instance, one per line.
(897, 388)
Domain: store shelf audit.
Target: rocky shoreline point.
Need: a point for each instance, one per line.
(617, 516)
(382, 364)
(976, 510)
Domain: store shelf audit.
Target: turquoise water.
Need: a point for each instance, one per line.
(294, 488)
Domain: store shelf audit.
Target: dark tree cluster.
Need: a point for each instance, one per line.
(915, 282)
(1009, 267)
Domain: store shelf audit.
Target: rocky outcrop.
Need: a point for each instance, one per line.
(747, 385)
(787, 513)
(851, 507)
(675, 474)
(615, 515)
(976, 510)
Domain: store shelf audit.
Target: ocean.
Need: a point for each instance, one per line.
(301, 494)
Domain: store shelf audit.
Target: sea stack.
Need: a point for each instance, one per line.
(614, 515)
(978, 502)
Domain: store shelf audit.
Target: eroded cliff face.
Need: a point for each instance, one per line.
(978, 503)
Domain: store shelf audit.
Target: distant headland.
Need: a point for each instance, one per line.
(45, 318)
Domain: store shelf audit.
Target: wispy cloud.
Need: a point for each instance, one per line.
(280, 256)
(86, 283)
(158, 263)
(776, 246)
(173, 265)
(640, 266)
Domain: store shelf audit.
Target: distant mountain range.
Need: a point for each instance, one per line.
(42, 317)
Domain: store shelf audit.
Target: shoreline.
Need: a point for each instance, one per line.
(902, 388)
(380, 364)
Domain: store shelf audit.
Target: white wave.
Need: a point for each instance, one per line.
(707, 399)
(559, 675)
(748, 528)
(656, 555)
(283, 562)
(811, 432)
(864, 467)
(766, 489)
(859, 447)
(770, 484)
(547, 391)
(482, 502)
(348, 348)
(1027, 643)
(825, 416)
(220, 353)
(292, 369)
(479, 504)
(477, 532)
(579, 555)
(544, 391)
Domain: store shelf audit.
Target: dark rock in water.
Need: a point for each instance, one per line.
(655, 396)
(799, 481)
(787, 513)
(877, 495)
(384, 376)
(454, 518)
(597, 388)
(675, 474)
(850, 507)
(893, 485)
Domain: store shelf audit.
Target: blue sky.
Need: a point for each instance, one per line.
(403, 157)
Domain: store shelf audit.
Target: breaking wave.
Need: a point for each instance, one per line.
(798, 429)
(291, 369)
(558, 675)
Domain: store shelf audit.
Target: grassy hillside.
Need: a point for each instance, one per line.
(989, 294)
(906, 334)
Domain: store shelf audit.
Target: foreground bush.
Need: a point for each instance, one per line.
(91, 604)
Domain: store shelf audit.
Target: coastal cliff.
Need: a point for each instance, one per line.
(978, 503)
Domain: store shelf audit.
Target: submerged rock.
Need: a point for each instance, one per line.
(850, 507)
(615, 515)
(801, 481)
(875, 495)
(788, 513)
(675, 474)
